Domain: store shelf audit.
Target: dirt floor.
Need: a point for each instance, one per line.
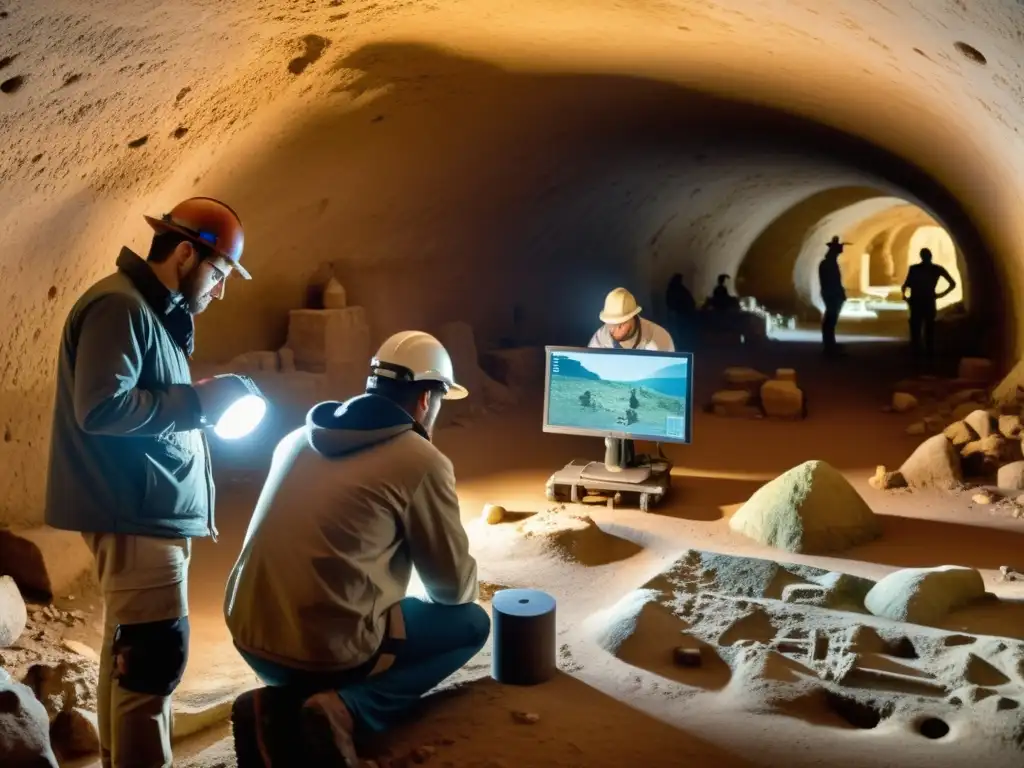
(627, 705)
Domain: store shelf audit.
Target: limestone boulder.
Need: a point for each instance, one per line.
(13, 614)
(982, 422)
(934, 464)
(810, 509)
(1011, 476)
(977, 369)
(739, 377)
(1010, 426)
(782, 400)
(24, 728)
(903, 402)
(734, 403)
(983, 457)
(960, 433)
(75, 733)
(44, 560)
(924, 595)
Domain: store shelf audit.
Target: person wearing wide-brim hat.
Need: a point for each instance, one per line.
(833, 294)
(624, 328)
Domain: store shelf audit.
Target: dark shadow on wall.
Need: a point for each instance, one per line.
(448, 188)
(767, 269)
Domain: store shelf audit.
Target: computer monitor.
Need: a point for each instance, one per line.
(623, 394)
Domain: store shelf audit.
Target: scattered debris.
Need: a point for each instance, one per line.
(525, 718)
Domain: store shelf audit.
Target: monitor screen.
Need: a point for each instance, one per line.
(623, 393)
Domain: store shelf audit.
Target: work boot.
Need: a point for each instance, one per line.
(327, 729)
(263, 722)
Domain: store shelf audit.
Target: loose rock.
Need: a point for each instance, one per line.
(981, 498)
(903, 402)
(983, 457)
(935, 464)
(13, 614)
(924, 595)
(1010, 426)
(782, 400)
(884, 480)
(493, 514)
(1011, 476)
(75, 733)
(981, 422)
(917, 428)
(960, 434)
(24, 727)
(525, 718)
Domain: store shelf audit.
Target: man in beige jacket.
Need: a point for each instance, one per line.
(317, 602)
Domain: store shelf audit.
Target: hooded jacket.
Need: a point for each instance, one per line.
(354, 499)
(127, 451)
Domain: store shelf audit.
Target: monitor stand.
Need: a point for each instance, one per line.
(620, 465)
(620, 473)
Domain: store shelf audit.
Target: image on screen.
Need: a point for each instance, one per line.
(640, 394)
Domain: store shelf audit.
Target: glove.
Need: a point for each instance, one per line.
(219, 393)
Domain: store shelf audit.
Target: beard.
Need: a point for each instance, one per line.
(197, 302)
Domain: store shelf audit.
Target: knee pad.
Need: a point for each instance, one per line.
(150, 658)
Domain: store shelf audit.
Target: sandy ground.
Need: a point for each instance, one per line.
(598, 697)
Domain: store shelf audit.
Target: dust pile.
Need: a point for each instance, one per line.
(574, 538)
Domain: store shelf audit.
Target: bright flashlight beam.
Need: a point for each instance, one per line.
(241, 417)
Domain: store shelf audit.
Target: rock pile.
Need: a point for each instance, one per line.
(53, 708)
(750, 394)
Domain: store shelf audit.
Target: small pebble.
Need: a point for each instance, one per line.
(493, 514)
(981, 498)
(525, 718)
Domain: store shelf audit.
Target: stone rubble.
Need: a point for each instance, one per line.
(51, 712)
(750, 394)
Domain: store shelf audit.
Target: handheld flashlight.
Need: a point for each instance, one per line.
(233, 405)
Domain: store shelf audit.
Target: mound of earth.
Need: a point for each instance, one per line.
(810, 509)
(924, 595)
(576, 538)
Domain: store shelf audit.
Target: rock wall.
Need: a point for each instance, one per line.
(478, 158)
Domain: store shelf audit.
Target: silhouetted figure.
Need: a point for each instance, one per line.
(681, 308)
(922, 280)
(833, 295)
(721, 300)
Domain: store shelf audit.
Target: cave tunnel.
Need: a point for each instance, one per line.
(507, 165)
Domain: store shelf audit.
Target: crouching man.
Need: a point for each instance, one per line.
(316, 603)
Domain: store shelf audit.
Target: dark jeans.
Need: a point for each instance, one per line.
(922, 331)
(829, 320)
(440, 639)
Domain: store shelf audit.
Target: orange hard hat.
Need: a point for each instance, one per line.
(209, 223)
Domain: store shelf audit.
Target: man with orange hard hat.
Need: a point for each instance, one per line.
(129, 462)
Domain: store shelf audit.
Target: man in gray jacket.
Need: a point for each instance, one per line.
(316, 602)
(129, 465)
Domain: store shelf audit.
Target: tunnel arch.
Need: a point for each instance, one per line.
(399, 190)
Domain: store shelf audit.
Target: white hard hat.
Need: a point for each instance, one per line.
(619, 306)
(417, 356)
